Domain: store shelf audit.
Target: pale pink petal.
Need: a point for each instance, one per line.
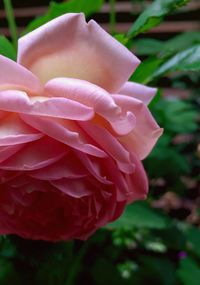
(14, 131)
(20, 102)
(76, 188)
(138, 91)
(92, 96)
(146, 132)
(15, 76)
(36, 155)
(69, 47)
(111, 145)
(58, 129)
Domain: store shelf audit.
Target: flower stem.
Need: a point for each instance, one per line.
(112, 16)
(11, 21)
(75, 266)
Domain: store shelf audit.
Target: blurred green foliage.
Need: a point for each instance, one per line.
(72, 6)
(154, 241)
(148, 46)
(139, 215)
(154, 15)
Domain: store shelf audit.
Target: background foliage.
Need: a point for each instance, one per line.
(154, 241)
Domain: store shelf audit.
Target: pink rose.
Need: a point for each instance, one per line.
(73, 132)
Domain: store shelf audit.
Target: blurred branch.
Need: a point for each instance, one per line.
(112, 20)
(11, 21)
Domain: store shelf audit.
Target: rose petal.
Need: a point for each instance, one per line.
(138, 91)
(118, 179)
(14, 131)
(59, 130)
(76, 188)
(20, 102)
(68, 167)
(6, 176)
(36, 155)
(146, 132)
(15, 76)
(7, 151)
(111, 145)
(92, 96)
(69, 47)
(137, 182)
(92, 166)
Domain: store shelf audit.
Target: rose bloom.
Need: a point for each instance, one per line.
(73, 132)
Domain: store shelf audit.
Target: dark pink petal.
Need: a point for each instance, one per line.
(60, 130)
(93, 166)
(6, 176)
(118, 178)
(36, 155)
(111, 145)
(7, 151)
(68, 167)
(76, 188)
(137, 182)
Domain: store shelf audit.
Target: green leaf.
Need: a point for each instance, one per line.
(148, 46)
(158, 270)
(193, 238)
(176, 116)
(154, 15)
(140, 215)
(54, 266)
(156, 99)
(72, 6)
(189, 272)
(104, 272)
(8, 273)
(143, 73)
(173, 236)
(7, 248)
(187, 60)
(123, 39)
(182, 41)
(6, 48)
(167, 155)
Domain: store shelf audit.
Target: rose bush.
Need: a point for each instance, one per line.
(73, 132)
